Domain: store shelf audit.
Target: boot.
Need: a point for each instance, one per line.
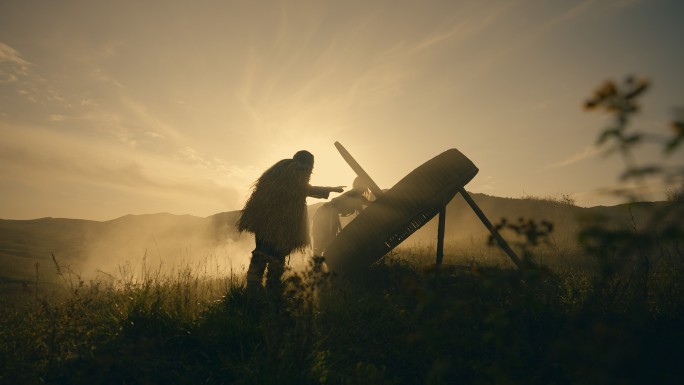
(255, 272)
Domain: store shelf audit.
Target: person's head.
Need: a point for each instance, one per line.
(305, 158)
(359, 184)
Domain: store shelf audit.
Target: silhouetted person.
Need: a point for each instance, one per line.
(326, 220)
(277, 216)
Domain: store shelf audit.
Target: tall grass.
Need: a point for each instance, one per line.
(396, 323)
(42, 331)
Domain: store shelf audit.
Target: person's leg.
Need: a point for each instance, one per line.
(257, 265)
(276, 268)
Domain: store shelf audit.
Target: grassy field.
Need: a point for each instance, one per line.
(572, 318)
(597, 302)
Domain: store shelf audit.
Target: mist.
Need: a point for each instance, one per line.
(165, 243)
(136, 245)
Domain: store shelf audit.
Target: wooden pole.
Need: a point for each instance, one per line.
(491, 228)
(358, 169)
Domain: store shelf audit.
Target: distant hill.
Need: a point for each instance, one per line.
(88, 246)
(462, 223)
(27, 246)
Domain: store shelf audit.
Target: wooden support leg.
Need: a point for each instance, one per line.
(502, 243)
(440, 238)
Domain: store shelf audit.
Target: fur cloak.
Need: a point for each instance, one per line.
(276, 210)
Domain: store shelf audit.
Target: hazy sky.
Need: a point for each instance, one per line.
(116, 107)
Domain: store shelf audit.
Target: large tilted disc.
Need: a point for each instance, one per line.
(399, 212)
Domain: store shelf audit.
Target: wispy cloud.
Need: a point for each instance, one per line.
(88, 103)
(9, 54)
(464, 28)
(101, 75)
(20, 72)
(125, 118)
(626, 3)
(39, 154)
(149, 121)
(227, 172)
(582, 8)
(563, 14)
(12, 65)
(587, 153)
(57, 118)
(578, 10)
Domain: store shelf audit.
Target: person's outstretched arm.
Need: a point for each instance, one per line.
(322, 192)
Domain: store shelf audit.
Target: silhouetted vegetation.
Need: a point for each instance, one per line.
(614, 314)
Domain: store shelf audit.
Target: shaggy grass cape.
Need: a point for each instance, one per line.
(276, 210)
